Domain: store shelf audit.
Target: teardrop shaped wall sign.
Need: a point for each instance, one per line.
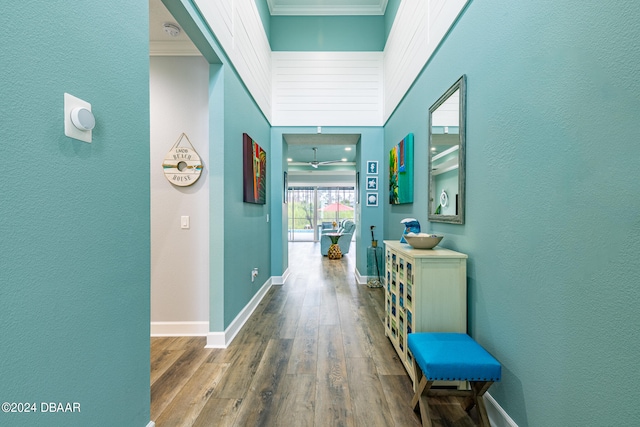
(182, 165)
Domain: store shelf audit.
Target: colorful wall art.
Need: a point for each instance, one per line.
(254, 171)
(401, 172)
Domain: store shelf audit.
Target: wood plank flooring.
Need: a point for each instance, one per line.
(313, 353)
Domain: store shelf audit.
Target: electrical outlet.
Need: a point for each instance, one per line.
(254, 274)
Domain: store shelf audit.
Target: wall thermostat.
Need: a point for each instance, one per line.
(78, 118)
(82, 118)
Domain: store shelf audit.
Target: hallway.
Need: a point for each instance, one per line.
(313, 353)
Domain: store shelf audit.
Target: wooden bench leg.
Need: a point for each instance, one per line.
(479, 388)
(418, 392)
(420, 399)
(421, 387)
(425, 413)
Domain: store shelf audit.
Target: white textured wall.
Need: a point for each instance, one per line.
(416, 32)
(238, 27)
(330, 88)
(327, 88)
(179, 88)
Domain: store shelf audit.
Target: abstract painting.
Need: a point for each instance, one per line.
(254, 172)
(401, 172)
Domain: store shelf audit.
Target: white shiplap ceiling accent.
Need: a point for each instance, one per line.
(327, 7)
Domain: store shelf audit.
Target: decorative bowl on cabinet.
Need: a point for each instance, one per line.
(423, 240)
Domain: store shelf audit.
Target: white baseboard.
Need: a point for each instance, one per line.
(279, 280)
(151, 424)
(498, 417)
(179, 329)
(223, 339)
(364, 280)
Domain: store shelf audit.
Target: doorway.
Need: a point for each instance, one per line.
(314, 209)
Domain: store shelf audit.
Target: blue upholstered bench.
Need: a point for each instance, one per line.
(444, 356)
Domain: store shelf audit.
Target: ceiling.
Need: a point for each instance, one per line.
(161, 42)
(158, 13)
(330, 147)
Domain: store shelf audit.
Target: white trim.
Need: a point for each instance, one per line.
(364, 280)
(216, 340)
(151, 424)
(173, 48)
(498, 417)
(223, 339)
(279, 280)
(179, 329)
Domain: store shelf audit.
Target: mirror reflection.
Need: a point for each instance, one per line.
(446, 156)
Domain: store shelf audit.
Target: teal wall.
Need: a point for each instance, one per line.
(247, 234)
(74, 261)
(279, 219)
(369, 148)
(265, 15)
(327, 33)
(216, 171)
(552, 227)
(390, 15)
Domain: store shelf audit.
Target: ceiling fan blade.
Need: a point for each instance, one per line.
(315, 163)
(329, 162)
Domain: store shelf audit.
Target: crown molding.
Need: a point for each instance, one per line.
(173, 48)
(325, 10)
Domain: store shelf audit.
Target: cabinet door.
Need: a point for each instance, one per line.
(409, 306)
(406, 322)
(389, 313)
(392, 298)
(402, 324)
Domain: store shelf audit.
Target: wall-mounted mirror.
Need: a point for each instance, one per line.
(446, 155)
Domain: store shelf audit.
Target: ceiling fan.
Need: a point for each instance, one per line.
(315, 163)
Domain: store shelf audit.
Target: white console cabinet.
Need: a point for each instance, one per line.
(425, 291)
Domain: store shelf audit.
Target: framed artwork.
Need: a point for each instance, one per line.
(401, 172)
(285, 187)
(254, 171)
(372, 167)
(372, 199)
(372, 183)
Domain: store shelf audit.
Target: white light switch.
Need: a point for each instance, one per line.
(184, 221)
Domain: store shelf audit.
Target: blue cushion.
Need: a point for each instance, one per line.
(444, 356)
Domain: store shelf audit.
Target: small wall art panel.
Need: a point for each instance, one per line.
(254, 171)
(401, 172)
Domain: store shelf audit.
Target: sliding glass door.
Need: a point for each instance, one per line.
(302, 213)
(312, 209)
